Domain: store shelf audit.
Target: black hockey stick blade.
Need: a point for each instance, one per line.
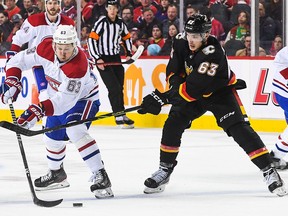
(46, 203)
(36, 201)
(26, 132)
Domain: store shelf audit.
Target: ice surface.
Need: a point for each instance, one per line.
(213, 177)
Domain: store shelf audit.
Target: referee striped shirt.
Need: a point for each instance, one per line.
(106, 36)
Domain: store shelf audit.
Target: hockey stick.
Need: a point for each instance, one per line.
(36, 200)
(26, 132)
(136, 55)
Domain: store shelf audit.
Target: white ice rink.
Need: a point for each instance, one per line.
(214, 177)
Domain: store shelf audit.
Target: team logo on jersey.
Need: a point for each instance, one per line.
(208, 50)
(53, 83)
(188, 69)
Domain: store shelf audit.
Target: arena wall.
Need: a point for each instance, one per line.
(146, 74)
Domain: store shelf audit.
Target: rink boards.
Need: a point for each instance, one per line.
(146, 74)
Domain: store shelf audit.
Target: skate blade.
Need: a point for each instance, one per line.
(159, 189)
(281, 191)
(124, 126)
(103, 193)
(54, 186)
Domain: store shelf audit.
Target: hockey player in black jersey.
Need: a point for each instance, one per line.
(200, 80)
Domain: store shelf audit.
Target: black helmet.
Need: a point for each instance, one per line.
(198, 23)
(112, 2)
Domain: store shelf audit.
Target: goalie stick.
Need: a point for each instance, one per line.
(26, 132)
(36, 200)
(136, 55)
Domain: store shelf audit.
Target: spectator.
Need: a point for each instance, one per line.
(26, 4)
(162, 12)
(85, 31)
(127, 17)
(217, 29)
(69, 9)
(86, 13)
(134, 32)
(276, 13)
(220, 12)
(41, 5)
(149, 21)
(277, 45)
(33, 10)
(138, 11)
(239, 31)
(267, 29)
(237, 8)
(98, 10)
(125, 4)
(6, 25)
(190, 10)
(11, 8)
(247, 50)
(157, 39)
(172, 14)
(166, 49)
(17, 21)
(232, 46)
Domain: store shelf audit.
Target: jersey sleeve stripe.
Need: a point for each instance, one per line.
(184, 94)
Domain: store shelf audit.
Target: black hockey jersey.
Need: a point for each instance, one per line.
(205, 71)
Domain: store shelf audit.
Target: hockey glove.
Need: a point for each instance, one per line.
(30, 116)
(152, 103)
(172, 94)
(10, 89)
(9, 55)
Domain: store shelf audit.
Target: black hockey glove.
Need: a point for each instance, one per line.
(172, 94)
(153, 103)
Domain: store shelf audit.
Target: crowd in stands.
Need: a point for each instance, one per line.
(154, 23)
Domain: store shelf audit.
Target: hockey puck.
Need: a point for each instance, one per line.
(77, 204)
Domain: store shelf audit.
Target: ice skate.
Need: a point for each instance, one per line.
(274, 181)
(157, 182)
(54, 179)
(124, 122)
(101, 186)
(278, 163)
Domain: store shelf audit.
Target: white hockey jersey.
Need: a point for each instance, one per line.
(35, 28)
(280, 78)
(68, 82)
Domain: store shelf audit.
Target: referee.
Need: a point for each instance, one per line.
(104, 46)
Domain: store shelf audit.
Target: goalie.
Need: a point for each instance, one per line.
(73, 96)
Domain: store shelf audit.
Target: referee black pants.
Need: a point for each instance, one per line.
(113, 78)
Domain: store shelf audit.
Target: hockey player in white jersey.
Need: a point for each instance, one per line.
(280, 89)
(73, 96)
(34, 29)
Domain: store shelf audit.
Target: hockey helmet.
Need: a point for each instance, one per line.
(65, 34)
(198, 23)
(112, 2)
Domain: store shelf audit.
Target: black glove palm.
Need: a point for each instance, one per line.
(152, 103)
